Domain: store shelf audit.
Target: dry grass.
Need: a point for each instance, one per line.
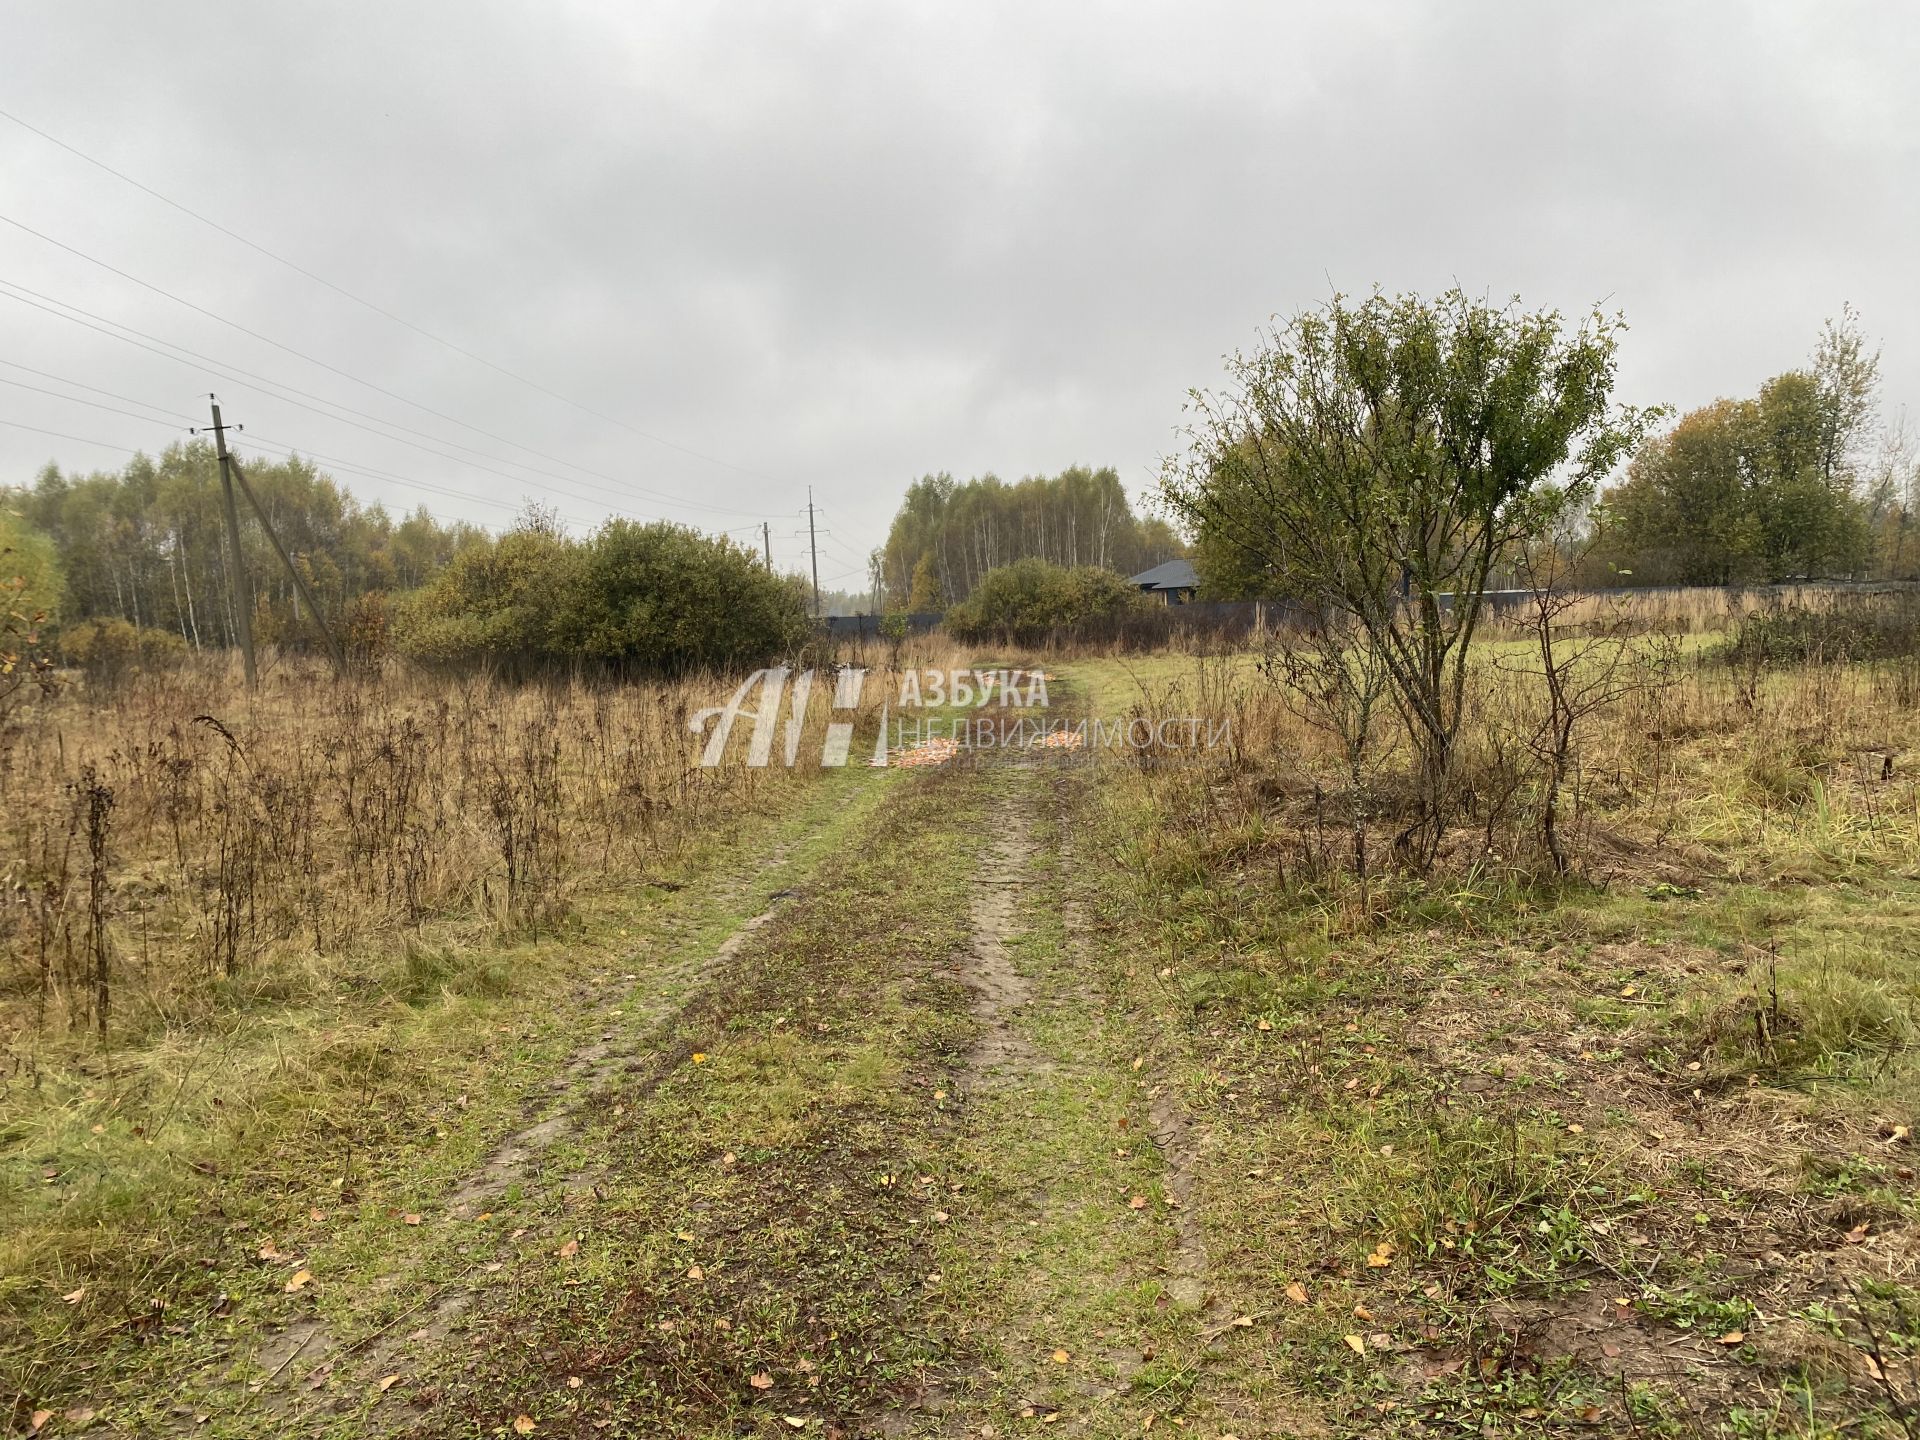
(1639, 1136)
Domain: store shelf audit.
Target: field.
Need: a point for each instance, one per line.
(436, 1057)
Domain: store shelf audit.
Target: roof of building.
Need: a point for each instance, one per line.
(1173, 575)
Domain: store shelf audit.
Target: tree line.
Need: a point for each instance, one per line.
(146, 545)
(948, 534)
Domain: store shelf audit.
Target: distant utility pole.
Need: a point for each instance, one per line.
(230, 473)
(814, 546)
(238, 591)
(766, 543)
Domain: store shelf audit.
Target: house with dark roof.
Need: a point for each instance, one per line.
(1172, 583)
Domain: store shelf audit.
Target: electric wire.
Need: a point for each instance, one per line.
(379, 310)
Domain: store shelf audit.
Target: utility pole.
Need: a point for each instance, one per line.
(813, 546)
(766, 543)
(238, 591)
(231, 474)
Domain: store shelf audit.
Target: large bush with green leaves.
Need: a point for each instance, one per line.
(657, 598)
(1031, 601)
(662, 597)
(496, 602)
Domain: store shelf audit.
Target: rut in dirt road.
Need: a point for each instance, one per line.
(1000, 1054)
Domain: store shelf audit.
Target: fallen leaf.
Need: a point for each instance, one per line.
(1138, 1202)
(762, 1381)
(39, 1419)
(523, 1425)
(1266, 1025)
(74, 1297)
(1733, 1337)
(409, 1219)
(299, 1280)
(387, 1382)
(1381, 1257)
(694, 1272)
(1356, 1344)
(1857, 1235)
(316, 1214)
(1061, 1357)
(1297, 1293)
(574, 1382)
(798, 1422)
(569, 1250)
(699, 1057)
(941, 1217)
(685, 1237)
(80, 1414)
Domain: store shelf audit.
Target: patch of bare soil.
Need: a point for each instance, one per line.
(1000, 1054)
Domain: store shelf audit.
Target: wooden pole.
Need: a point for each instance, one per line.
(239, 591)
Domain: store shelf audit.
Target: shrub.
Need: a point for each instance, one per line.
(665, 599)
(111, 649)
(659, 599)
(493, 602)
(1870, 626)
(1031, 601)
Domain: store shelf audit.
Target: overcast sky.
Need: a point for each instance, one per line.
(845, 245)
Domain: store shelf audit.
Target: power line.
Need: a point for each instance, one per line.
(354, 468)
(379, 310)
(226, 372)
(77, 400)
(332, 369)
(81, 439)
(82, 385)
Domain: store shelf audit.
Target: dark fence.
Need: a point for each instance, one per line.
(867, 627)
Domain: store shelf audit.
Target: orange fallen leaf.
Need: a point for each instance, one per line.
(762, 1381)
(299, 1280)
(38, 1420)
(1297, 1293)
(523, 1425)
(1356, 1344)
(694, 1272)
(409, 1219)
(1733, 1337)
(387, 1382)
(1138, 1202)
(1061, 1357)
(569, 1250)
(699, 1057)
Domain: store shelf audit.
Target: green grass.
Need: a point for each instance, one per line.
(315, 1126)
